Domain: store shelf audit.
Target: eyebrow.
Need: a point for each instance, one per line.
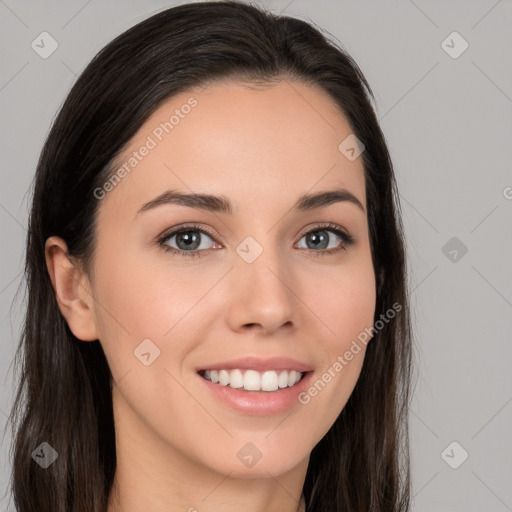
(221, 204)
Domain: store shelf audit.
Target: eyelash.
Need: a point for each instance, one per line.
(347, 239)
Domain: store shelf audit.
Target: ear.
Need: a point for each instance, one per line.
(72, 290)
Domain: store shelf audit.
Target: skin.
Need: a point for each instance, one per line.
(261, 147)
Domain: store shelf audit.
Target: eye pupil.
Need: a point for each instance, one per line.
(190, 238)
(319, 238)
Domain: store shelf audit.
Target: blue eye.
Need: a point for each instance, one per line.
(189, 237)
(320, 238)
(190, 240)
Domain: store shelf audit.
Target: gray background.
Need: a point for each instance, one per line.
(448, 123)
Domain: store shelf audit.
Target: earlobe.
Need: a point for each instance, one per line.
(71, 288)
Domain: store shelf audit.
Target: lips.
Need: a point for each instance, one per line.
(259, 364)
(253, 402)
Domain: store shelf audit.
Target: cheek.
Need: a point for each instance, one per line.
(344, 301)
(355, 306)
(129, 298)
(346, 308)
(138, 300)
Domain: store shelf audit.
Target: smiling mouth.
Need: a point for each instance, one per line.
(252, 380)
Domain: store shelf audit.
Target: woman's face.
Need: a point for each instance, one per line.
(267, 280)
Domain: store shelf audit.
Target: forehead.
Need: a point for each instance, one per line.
(257, 142)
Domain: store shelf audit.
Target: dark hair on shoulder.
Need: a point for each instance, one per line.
(64, 390)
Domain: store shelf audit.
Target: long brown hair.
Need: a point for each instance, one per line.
(64, 389)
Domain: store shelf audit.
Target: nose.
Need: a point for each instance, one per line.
(261, 295)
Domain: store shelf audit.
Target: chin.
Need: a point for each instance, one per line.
(251, 462)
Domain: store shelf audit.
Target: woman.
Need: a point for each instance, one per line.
(217, 314)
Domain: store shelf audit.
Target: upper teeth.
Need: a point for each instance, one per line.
(251, 380)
